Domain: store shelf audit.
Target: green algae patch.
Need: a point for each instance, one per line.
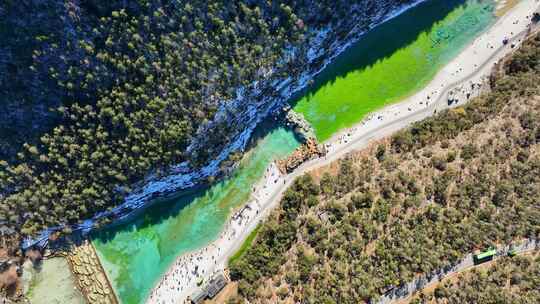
(136, 255)
(245, 245)
(392, 62)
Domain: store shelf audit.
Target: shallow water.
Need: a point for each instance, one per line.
(391, 62)
(52, 284)
(137, 254)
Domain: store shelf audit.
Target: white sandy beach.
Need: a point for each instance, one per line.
(460, 80)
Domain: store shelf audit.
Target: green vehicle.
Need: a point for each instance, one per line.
(485, 256)
(200, 281)
(512, 252)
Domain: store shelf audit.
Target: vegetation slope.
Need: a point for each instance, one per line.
(418, 202)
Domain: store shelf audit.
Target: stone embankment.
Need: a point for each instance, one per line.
(296, 121)
(307, 151)
(91, 278)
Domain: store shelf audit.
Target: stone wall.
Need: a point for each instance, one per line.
(91, 278)
(305, 152)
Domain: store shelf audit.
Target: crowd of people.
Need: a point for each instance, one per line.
(188, 273)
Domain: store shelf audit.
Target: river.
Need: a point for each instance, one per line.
(51, 283)
(392, 62)
(136, 254)
(387, 64)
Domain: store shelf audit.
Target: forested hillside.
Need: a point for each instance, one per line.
(119, 58)
(415, 203)
(97, 95)
(136, 89)
(510, 280)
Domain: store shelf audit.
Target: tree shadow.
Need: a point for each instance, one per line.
(381, 42)
(159, 211)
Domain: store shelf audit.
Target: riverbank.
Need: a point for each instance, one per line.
(181, 279)
(458, 81)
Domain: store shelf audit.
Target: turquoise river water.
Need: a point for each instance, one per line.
(389, 63)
